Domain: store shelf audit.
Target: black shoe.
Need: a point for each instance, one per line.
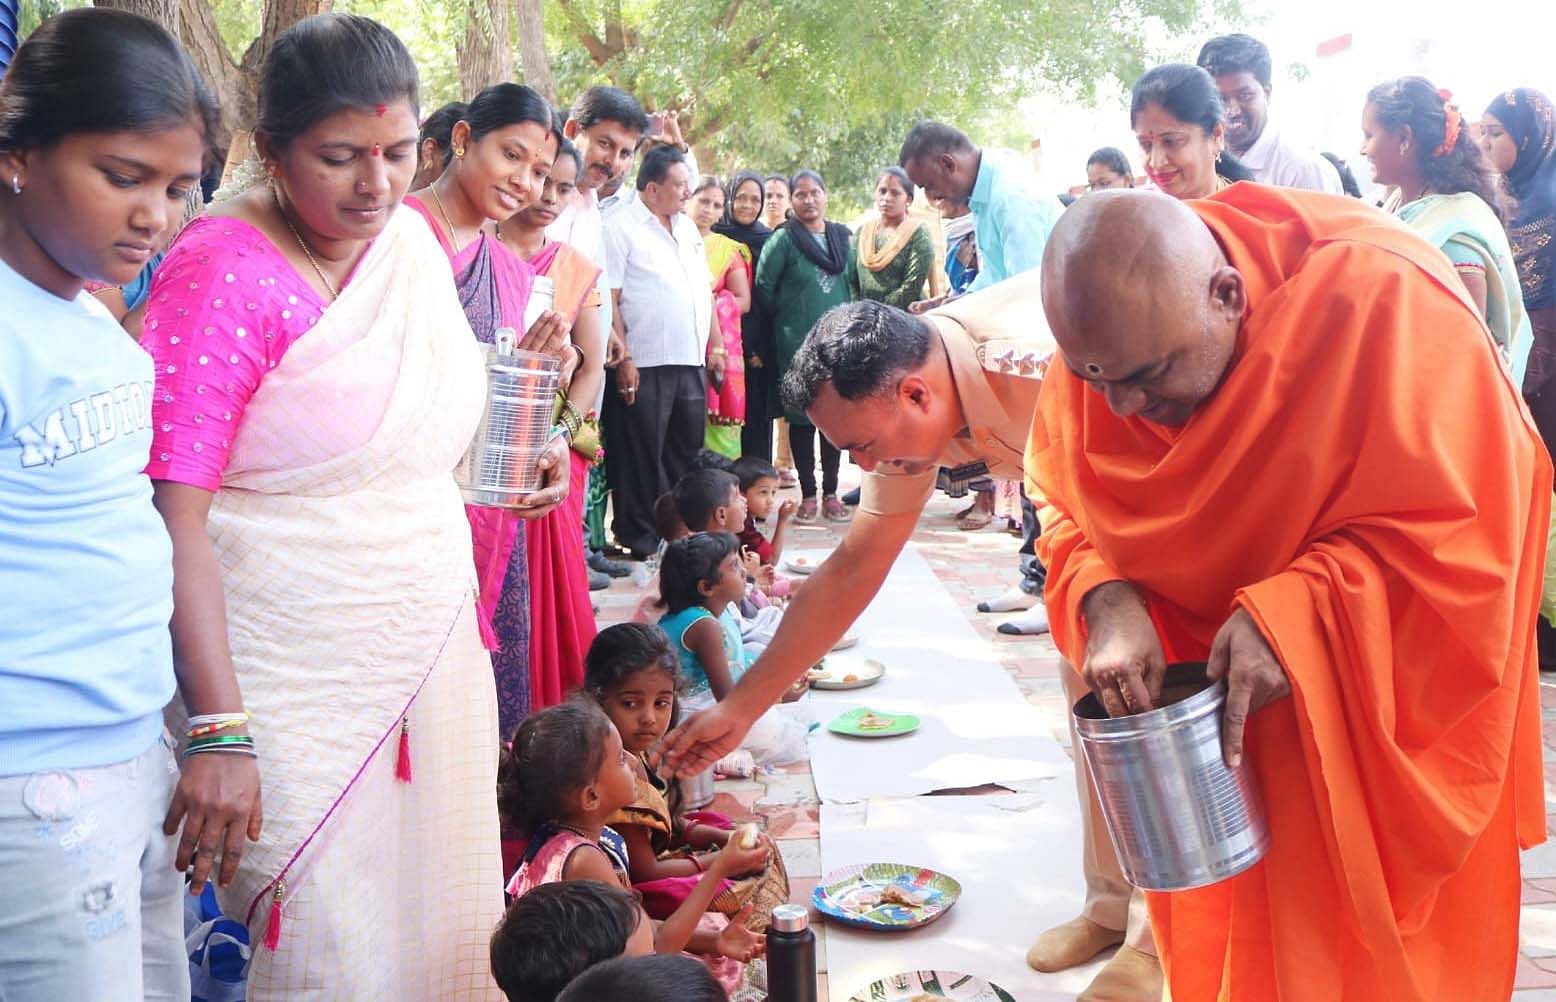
(851, 498)
(598, 581)
(605, 565)
(613, 552)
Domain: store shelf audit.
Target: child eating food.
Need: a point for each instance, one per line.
(632, 673)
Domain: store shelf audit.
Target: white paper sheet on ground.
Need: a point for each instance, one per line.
(1018, 859)
(975, 727)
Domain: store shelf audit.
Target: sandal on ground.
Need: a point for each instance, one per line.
(833, 509)
(972, 520)
(807, 512)
(788, 478)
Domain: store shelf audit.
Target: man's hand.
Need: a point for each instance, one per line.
(1242, 656)
(701, 741)
(716, 366)
(615, 349)
(754, 362)
(1124, 663)
(627, 377)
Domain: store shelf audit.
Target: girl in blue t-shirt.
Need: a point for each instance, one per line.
(104, 124)
(699, 577)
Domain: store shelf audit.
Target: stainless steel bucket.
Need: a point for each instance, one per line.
(498, 469)
(697, 791)
(1179, 818)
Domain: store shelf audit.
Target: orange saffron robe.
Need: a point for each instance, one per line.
(1368, 485)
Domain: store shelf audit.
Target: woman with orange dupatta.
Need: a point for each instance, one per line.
(503, 149)
(1363, 571)
(562, 618)
(894, 255)
(729, 265)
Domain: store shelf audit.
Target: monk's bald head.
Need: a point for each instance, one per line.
(1142, 302)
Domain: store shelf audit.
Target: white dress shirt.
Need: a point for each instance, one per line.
(581, 226)
(1275, 161)
(666, 293)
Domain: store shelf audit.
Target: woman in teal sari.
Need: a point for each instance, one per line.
(1417, 141)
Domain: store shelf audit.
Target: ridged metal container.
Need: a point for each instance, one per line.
(1179, 818)
(697, 791)
(498, 469)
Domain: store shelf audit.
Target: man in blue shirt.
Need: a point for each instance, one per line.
(1012, 223)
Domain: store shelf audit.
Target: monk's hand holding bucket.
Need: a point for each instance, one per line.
(1124, 663)
(1242, 656)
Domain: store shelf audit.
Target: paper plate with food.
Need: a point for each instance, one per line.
(867, 723)
(842, 671)
(888, 896)
(932, 986)
(803, 563)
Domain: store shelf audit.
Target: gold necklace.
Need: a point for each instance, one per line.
(453, 234)
(334, 295)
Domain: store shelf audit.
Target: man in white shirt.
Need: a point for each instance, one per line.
(606, 124)
(656, 403)
(1241, 67)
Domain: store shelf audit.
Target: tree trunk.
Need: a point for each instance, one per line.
(235, 83)
(164, 12)
(532, 48)
(485, 51)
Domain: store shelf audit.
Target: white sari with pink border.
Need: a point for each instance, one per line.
(346, 564)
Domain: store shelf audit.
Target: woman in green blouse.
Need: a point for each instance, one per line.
(893, 255)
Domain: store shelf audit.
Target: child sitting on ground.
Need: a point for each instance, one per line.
(710, 501)
(633, 674)
(700, 577)
(759, 484)
(645, 979)
(564, 775)
(557, 931)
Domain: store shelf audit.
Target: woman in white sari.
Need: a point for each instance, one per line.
(316, 384)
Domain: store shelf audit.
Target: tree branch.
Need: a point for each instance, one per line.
(584, 32)
(729, 14)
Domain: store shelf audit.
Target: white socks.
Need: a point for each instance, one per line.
(1014, 600)
(1029, 624)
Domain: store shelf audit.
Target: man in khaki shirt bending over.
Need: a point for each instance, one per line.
(905, 395)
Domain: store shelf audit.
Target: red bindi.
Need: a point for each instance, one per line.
(381, 109)
(378, 151)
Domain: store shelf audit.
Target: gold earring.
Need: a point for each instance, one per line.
(460, 152)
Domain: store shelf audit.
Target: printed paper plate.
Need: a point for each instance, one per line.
(921, 986)
(866, 723)
(845, 672)
(889, 896)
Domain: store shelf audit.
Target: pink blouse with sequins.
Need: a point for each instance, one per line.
(224, 308)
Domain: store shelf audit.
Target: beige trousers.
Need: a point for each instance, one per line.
(782, 458)
(1111, 901)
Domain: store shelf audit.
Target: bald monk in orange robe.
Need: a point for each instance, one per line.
(1281, 439)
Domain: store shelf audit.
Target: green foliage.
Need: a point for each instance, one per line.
(31, 13)
(786, 83)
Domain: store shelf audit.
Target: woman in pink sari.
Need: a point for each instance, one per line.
(502, 150)
(316, 383)
(562, 625)
(729, 265)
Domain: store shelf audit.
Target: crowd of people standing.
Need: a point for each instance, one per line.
(258, 639)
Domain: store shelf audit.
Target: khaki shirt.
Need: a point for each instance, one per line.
(999, 347)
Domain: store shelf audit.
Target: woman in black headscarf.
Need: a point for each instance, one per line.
(1518, 135)
(742, 222)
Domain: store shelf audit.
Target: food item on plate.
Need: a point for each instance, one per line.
(818, 672)
(800, 562)
(895, 894)
(866, 902)
(850, 678)
(872, 721)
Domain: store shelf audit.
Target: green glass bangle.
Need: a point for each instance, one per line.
(222, 739)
